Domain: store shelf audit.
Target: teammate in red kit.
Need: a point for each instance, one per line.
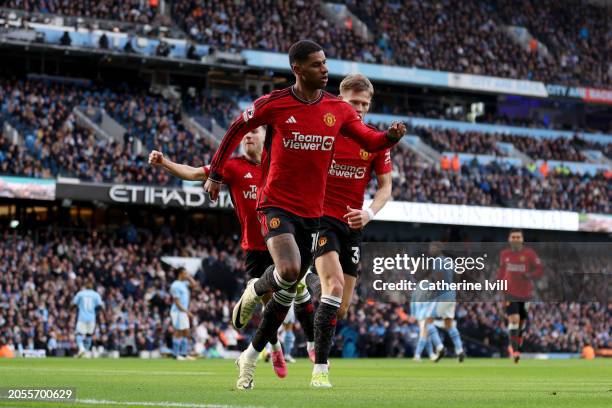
(339, 244)
(242, 175)
(302, 124)
(518, 265)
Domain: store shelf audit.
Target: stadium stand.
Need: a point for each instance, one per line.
(470, 37)
(500, 184)
(133, 11)
(464, 37)
(376, 329)
(55, 144)
(227, 25)
(42, 272)
(576, 31)
(563, 149)
(39, 278)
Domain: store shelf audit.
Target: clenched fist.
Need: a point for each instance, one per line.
(396, 131)
(156, 158)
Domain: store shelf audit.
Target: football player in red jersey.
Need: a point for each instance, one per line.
(242, 175)
(302, 123)
(339, 244)
(519, 265)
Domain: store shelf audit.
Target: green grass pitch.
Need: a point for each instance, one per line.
(357, 383)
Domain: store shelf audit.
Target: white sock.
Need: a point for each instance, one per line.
(250, 353)
(310, 345)
(276, 347)
(320, 368)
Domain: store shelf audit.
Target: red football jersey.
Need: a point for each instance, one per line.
(518, 268)
(349, 174)
(242, 177)
(298, 148)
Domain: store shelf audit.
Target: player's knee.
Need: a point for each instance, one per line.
(289, 270)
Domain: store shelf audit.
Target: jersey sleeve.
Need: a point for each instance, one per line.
(99, 301)
(366, 136)
(254, 116)
(382, 163)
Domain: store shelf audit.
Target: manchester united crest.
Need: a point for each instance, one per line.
(329, 119)
(274, 222)
(322, 241)
(364, 155)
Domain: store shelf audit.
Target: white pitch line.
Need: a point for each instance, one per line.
(116, 372)
(158, 404)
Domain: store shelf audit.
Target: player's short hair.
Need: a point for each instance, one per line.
(512, 231)
(300, 50)
(357, 83)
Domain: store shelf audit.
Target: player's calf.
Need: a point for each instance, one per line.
(325, 328)
(272, 318)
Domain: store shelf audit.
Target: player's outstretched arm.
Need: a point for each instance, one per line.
(251, 118)
(371, 139)
(182, 171)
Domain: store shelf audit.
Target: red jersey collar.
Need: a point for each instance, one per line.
(295, 95)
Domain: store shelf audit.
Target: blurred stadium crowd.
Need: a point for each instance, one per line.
(134, 11)
(39, 281)
(56, 144)
(40, 274)
(498, 184)
(386, 330)
(560, 42)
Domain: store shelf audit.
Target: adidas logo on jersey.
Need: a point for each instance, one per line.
(248, 175)
(291, 120)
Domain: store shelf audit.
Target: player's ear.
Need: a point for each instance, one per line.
(296, 68)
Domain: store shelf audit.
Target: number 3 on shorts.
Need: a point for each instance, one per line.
(356, 255)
